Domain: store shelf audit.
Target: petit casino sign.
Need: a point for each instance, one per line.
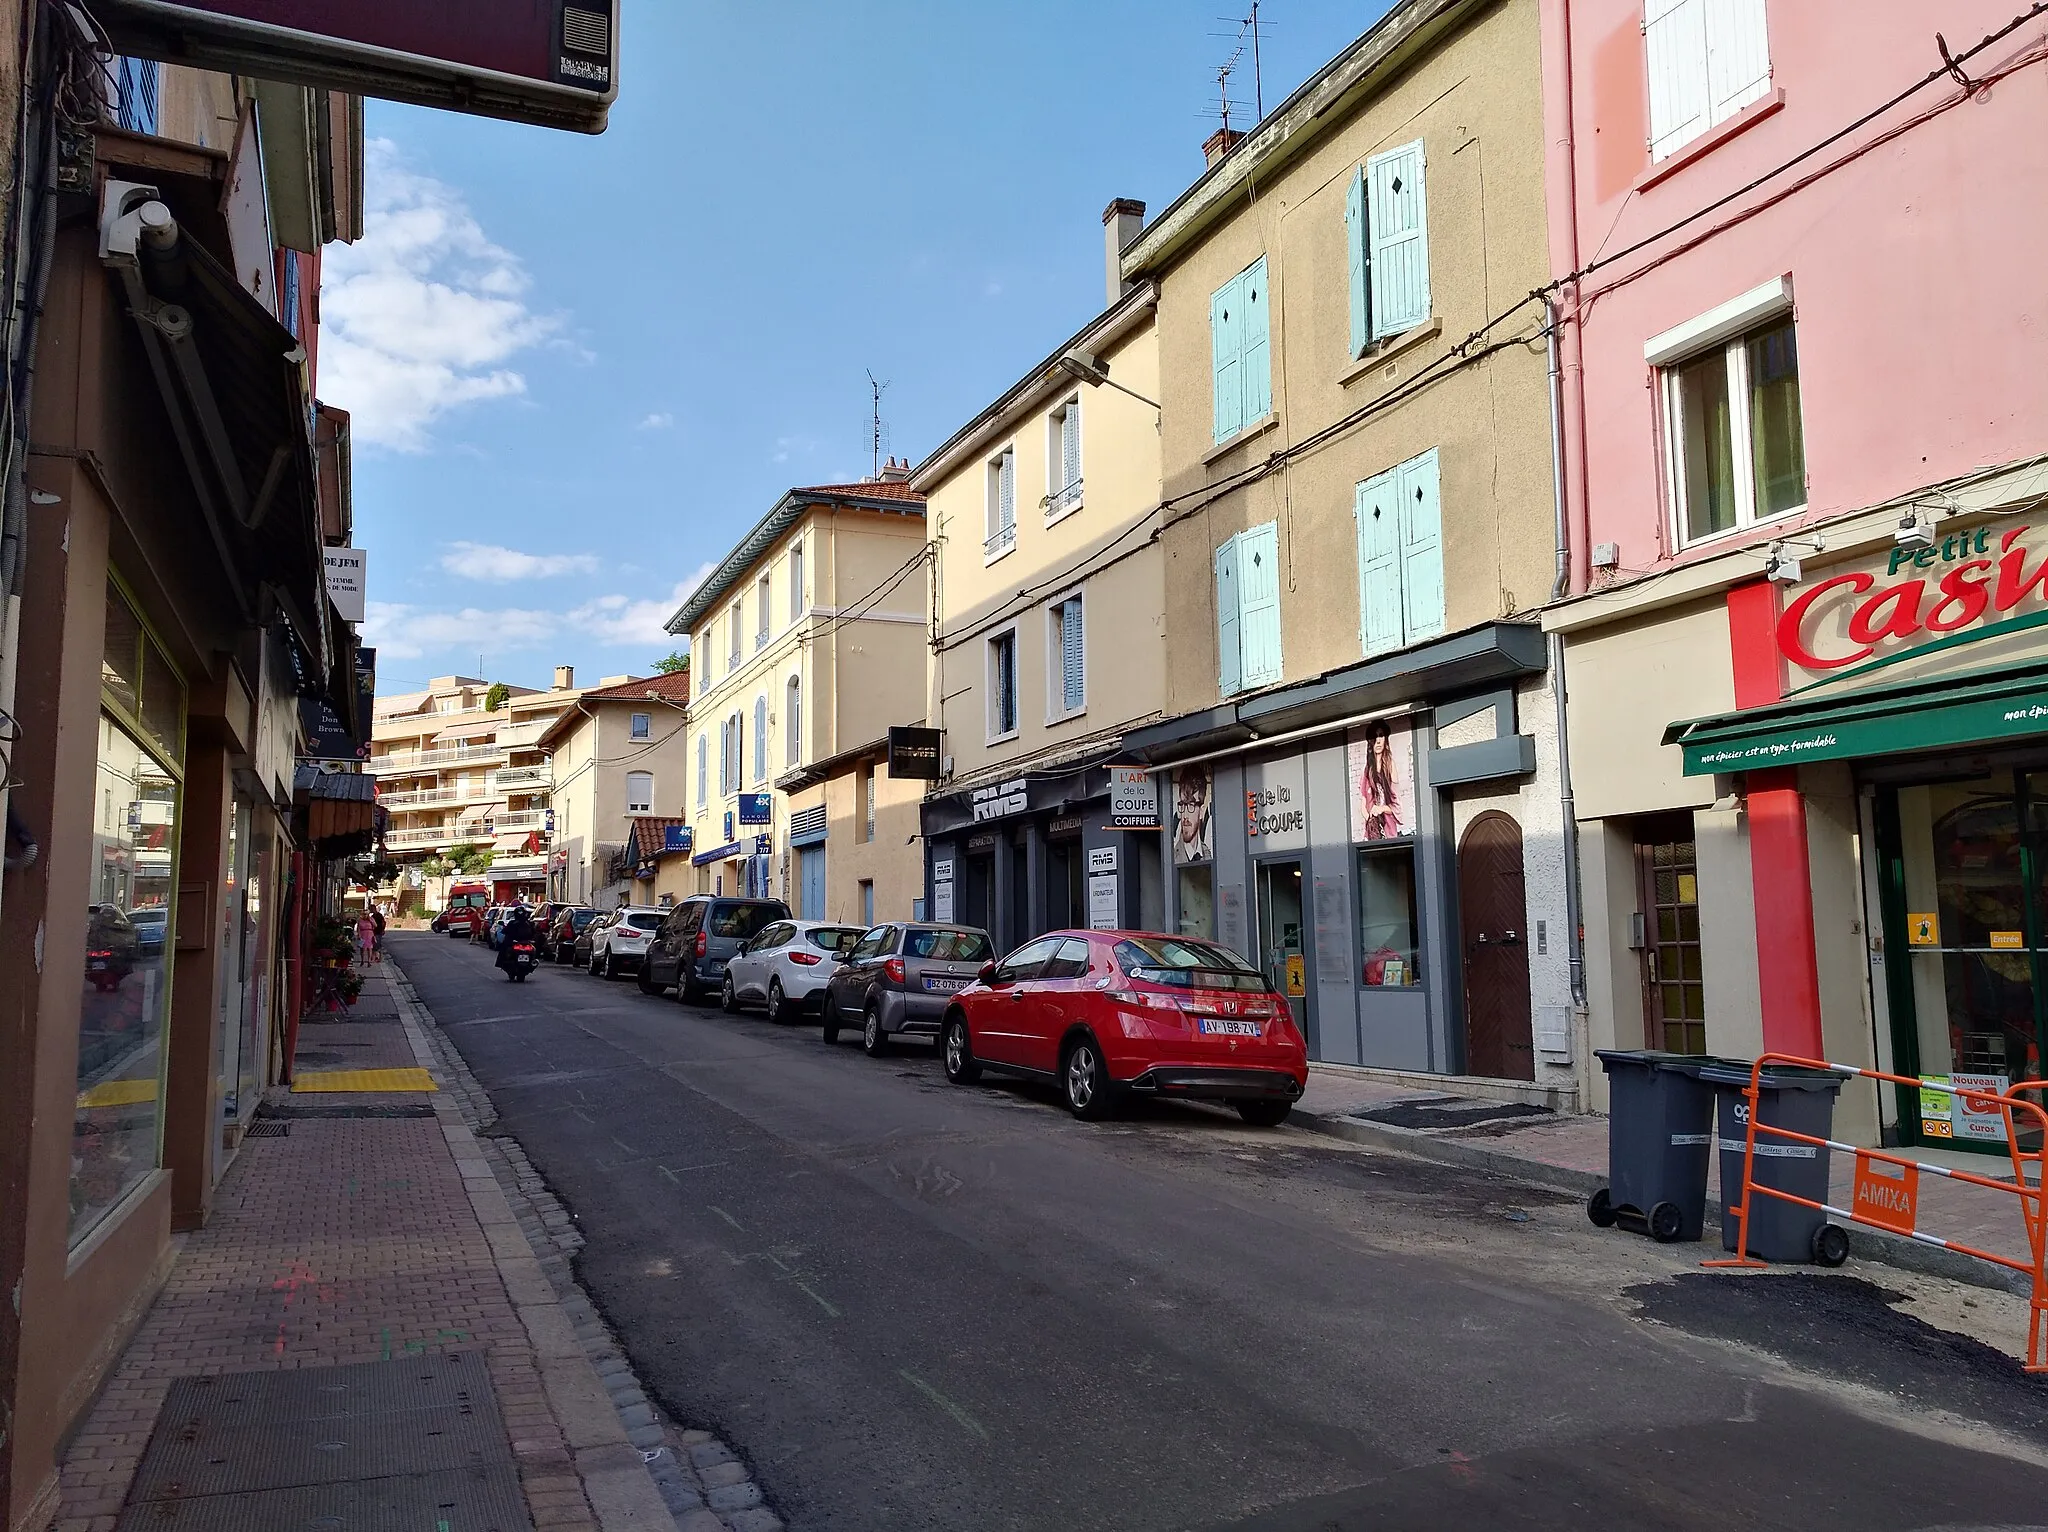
(1926, 593)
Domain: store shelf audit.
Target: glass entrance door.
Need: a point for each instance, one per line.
(1281, 951)
(1965, 894)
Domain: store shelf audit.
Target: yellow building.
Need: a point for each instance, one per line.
(1051, 641)
(616, 755)
(807, 642)
(1362, 738)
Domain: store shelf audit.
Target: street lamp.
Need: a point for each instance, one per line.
(1086, 367)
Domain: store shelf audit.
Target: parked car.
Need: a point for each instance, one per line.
(151, 922)
(111, 946)
(620, 947)
(899, 978)
(586, 939)
(699, 937)
(787, 966)
(1107, 1012)
(558, 937)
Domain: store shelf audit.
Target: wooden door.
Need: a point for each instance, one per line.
(1492, 911)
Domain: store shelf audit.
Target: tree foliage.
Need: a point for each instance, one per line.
(497, 696)
(676, 661)
(470, 859)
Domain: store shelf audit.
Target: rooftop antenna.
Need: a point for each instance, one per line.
(878, 430)
(1258, 71)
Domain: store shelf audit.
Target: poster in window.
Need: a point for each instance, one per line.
(1193, 811)
(1380, 762)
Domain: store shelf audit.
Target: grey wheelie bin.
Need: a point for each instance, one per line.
(1804, 1101)
(1659, 1134)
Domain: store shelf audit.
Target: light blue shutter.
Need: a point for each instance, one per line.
(1422, 548)
(760, 739)
(1226, 348)
(1072, 660)
(1258, 604)
(1379, 562)
(1229, 672)
(1356, 239)
(1070, 444)
(1397, 214)
(1258, 363)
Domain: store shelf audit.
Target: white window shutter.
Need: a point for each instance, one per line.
(1072, 656)
(1226, 350)
(1258, 360)
(1070, 444)
(1379, 563)
(1738, 56)
(1397, 215)
(1422, 549)
(703, 768)
(1675, 58)
(1258, 604)
(1356, 247)
(760, 739)
(1006, 507)
(1229, 669)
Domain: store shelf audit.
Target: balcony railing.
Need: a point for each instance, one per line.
(1063, 500)
(420, 798)
(519, 819)
(426, 760)
(999, 542)
(438, 837)
(507, 777)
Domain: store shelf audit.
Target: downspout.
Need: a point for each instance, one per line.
(1575, 944)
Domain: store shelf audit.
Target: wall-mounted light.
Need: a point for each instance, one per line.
(1086, 367)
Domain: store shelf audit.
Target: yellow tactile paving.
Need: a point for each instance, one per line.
(364, 1080)
(118, 1093)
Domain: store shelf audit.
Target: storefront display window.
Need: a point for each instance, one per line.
(1387, 924)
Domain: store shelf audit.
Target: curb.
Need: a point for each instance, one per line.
(1865, 1244)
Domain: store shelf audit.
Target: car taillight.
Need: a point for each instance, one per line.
(106, 954)
(894, 969)
(805, 958)
(703, 942)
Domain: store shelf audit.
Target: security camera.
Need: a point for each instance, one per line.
(1913, 532)
(1782, 568)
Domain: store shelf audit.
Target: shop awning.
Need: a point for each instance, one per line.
(1986, 707)
(470, 730)
(339, 805)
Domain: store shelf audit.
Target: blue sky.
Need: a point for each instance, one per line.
(581, 367)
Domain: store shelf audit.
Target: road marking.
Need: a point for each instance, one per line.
(820, 1302)
(967, 1421)
(669, 1173)
(623, 1144)
(722, 1213)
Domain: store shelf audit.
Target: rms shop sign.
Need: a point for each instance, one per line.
(1276, 806)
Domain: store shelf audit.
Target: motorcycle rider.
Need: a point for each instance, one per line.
(518, 930)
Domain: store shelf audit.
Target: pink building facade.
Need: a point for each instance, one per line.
(1802, 356)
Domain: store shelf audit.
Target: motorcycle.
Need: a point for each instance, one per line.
(518, 961)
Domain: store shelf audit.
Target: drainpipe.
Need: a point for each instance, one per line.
(1575, 945)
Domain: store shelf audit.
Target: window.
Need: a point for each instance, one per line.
(1069, 961)
(135, 88)
(703, 648)
(761, 738)
(875, 942)
(703, 769)
(1400, 556)
(1386, 915)
(1239, 353)
(793, 722)
(732, 658)
(867, 800)
(867, 900)
(639, 792)
(1063, 459)
(1002, 684)
(1248, 610)
(761, 612)
(1706, 61)
(1066, 673)
(1026, 961)
(1737, 450)
(1002, 505)
(1386, 227)
(729, 756)
(643, 725)
(796, 582)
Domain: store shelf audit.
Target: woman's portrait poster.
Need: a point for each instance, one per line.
(1380, 760)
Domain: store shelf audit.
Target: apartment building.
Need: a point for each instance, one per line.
(806, 643)
(617, 755)
(1361, 744)
(1051, 643)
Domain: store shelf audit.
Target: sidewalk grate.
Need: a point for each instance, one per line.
(263, 1128)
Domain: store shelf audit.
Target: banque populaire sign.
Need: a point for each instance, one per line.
(1969, 586)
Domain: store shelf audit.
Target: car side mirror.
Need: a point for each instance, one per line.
(986, 974)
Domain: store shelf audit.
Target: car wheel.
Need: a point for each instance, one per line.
(611, 965)
(728, 997)
(959, 1051)
(1085, 1081)
(778, 1003)
(1264, 1114)
(645, 980)
(592, 965)
(874, 1042)
(831, 1023)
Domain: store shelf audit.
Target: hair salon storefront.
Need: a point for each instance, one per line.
(1844, 847)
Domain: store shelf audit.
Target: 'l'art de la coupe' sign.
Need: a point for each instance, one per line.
(1923, 595)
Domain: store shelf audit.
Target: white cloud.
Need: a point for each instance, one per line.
(423, 313)
(488, 561)
(660, 420)
(400, 631)
(624, 620)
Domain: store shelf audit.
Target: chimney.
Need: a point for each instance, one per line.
(565, 678)
(1220, 143)
(894, 472)
(1121, 221)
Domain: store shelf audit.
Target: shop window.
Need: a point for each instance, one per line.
(1734, 435)
(1668, 897)
(1196, 901)
(1387, 927)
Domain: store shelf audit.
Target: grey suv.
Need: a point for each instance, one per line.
(698, 938)
(899, 978)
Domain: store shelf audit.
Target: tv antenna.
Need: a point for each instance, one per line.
(878, 428)
(1246, 36)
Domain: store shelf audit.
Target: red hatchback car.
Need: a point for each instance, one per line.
(1105, 1012)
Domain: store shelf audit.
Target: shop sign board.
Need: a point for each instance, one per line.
(999, 799)
(347, 582)
(914, 752)
(1944, 1114)
(678, 838)
(1276, 806)
(1101, 859)
(1133, 798)
(1102, 901)
(755, 809)
(1989, 716)
(553, 63)
(942, 902)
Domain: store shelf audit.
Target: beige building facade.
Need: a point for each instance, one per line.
(807, 641)
(617, 754)
(1360, 754)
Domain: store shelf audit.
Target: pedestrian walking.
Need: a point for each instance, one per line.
(366, 938)
(377, 940)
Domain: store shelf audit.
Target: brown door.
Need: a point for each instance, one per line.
(1492, 907)
(1668, 911)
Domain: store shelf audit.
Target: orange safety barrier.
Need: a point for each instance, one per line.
(1887, 1186)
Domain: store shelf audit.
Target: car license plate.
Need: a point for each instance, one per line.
(99, 966)
(945, 986)
(1220, 1026)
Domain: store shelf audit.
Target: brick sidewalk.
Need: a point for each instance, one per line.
(360, 1240)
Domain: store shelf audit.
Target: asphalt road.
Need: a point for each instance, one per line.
(912, 1305)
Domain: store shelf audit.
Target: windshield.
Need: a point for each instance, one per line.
(949, 946)
(153, 916)
(578, 919)
(1187, 965)
(743, 920)
(835, 939)
(644, 922)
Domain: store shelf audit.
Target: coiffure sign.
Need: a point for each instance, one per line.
(550, 62)
(1968, 586)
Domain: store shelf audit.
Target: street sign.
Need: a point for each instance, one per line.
(1133, 798)
(550, 821)
(755, 809)
(677, 838)
(728, 824)
(549, 62)
(763, 844)
(914, 752)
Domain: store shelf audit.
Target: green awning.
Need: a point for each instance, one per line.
(1985, 707)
